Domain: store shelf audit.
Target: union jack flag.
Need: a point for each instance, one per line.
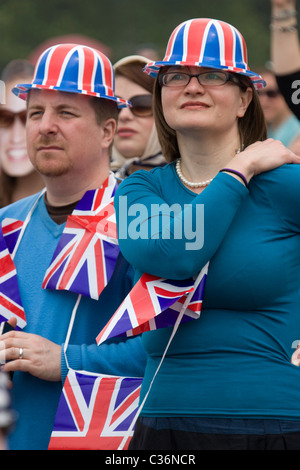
(155, 303)
(95, 411)
(10, 300)
(84, 259)
(11, 229)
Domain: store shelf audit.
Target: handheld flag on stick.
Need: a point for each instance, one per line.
(154, 303)
(95, 411)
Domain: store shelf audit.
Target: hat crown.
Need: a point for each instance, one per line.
(73, 68)
(207, 42)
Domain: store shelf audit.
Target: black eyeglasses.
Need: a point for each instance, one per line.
(269, 93)
(7, 118)
(210, 78)
(141, 105)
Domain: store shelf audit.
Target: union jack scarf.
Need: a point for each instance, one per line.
(83, 261)
(85, 257)
(10, 300)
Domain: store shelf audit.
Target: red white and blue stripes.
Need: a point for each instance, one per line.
(73, 68)
(10, 300)
(210, 43)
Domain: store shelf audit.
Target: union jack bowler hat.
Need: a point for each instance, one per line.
(209, 43)
(73, 68)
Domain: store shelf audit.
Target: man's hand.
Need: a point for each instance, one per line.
(31, 353)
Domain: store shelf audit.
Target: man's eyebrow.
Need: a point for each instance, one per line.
(66, 106)
(34, 106)
(57, 108)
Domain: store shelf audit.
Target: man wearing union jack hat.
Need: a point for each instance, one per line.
(62, 243)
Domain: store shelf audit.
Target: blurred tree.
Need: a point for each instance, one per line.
(124, 24)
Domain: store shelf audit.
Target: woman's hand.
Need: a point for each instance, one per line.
(262, 156)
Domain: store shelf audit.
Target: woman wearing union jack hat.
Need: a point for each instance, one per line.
(224, 380)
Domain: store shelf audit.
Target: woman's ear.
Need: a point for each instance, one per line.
(246, 98)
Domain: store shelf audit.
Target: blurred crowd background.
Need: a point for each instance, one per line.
(123, 27)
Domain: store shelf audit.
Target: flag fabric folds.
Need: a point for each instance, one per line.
(95, 411)
(10, 300)
(154, 303)
(84, 259)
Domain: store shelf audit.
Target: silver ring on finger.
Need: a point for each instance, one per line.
(20, 353)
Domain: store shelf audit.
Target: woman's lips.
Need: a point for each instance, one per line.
(124, 132)
(194, 105)
(17, 154)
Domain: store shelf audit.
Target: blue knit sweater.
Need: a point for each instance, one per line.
(48, 314)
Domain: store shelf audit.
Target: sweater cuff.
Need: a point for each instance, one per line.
(73, 354)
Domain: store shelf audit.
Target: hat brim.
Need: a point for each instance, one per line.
(22, 90)
(152, 69)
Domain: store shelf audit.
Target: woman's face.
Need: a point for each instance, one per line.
(13, 151)
(133, 131)
(196, 107)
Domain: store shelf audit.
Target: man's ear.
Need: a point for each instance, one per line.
(108, 132)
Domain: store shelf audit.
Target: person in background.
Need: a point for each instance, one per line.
(282, 124)
(224, 381)
(136, 144)
(18, 178)
(285, 51)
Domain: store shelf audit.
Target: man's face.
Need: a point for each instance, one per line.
(63, 136)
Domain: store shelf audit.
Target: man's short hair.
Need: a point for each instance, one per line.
(104, 109)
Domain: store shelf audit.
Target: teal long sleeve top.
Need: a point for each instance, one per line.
(234, 361)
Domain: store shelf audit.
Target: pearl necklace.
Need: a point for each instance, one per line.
(191, 184)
